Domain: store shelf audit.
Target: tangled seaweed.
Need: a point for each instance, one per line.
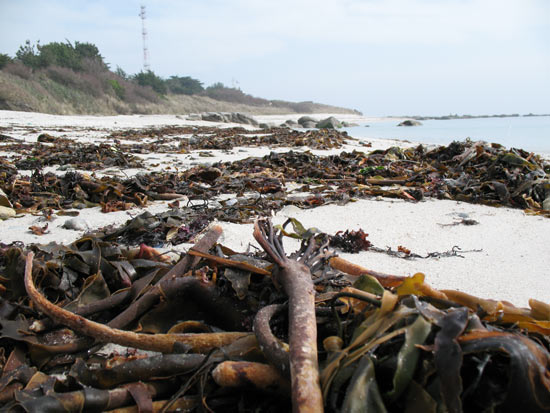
(470, 172)
(220, 325)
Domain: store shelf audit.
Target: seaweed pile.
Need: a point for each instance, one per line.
(464, 171)
(226, 138)
(70, 154)
(229, 331)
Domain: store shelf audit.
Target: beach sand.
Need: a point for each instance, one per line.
(504, 257)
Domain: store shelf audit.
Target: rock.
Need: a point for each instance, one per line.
(305, 119)
(6, 213)
(233, 117)
(194, 116)
(349, 124)
(213, 117)
(329, 123)
(238, 117)
(309, 125)
(45, 137)
(265, 126)
(410, 122)
(4, 201)
(292, 124)
(546, 204)
(76, 224)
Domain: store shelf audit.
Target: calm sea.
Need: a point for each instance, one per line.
(529, 133)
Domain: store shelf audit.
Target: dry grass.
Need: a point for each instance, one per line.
(59, 90)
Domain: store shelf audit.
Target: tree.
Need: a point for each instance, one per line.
(73, 57)
(149, 78)
(4, 60)
(120, 72)
(76, 57)
(28, 55)
(217, 85)
(184, 85)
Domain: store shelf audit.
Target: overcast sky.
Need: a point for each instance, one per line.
(382, 57)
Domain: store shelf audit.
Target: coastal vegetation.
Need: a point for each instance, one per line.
(73, 78)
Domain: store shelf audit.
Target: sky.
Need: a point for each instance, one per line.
(382, 57)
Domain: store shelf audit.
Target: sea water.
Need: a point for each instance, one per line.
(531, 133)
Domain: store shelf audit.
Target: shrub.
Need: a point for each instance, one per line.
(18, 69)
(142, 94)
(4, 60)
(27, 55)
(85, 82)
(184, 85)
(149, 78)
(121, 73)
(219, 91)
(76, 57)
(117, 88)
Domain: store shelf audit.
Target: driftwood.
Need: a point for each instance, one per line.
(295, 278)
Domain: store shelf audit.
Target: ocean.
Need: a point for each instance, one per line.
(531, 133)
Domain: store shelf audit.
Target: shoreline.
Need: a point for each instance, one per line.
(513, 264)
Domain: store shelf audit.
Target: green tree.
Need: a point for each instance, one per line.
(4, 60)
(67, 55)
(149, 78)
(120, 72)
(75, 57)
(184, 85)
(119, 90)
(28, 55)
(217, 85)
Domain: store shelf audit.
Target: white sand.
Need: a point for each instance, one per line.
(514, 263)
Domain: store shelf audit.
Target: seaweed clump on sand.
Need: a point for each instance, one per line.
(475, 172)
(262, 331)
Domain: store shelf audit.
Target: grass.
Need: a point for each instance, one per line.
(61, 91)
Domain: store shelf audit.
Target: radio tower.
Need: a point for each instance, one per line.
(144, 35)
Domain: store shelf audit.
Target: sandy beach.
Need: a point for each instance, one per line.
(504, 257)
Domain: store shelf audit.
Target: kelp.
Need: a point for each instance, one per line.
(184, 139)
(468, 171)
(68, 153)
(386, 343)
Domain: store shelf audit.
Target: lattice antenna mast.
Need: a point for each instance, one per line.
(146, 66)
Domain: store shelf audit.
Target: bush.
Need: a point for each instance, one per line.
(4, 60)
(85, 82)
(77, 57)
(121, 73)
(219, 91)
(18, 69)
(28, 55)
(184, 85)
(149, 78)
(69, 56)
(117, 88)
